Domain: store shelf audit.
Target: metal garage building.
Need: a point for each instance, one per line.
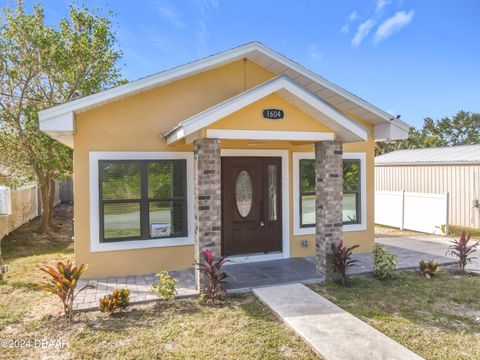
(452, 170)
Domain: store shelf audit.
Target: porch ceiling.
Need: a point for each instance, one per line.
(346, 130)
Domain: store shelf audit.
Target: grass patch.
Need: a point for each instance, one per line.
(456, 231)
(241, 328)
(435, 318)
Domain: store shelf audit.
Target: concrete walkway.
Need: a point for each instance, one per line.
(429, 245)
(332, 332)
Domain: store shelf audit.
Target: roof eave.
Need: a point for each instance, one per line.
(202, 65)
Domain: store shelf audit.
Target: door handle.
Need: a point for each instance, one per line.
(261, 223)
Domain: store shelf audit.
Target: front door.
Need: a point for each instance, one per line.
(251, 205)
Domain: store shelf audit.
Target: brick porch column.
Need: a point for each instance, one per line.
(207, 200)
(329, 189)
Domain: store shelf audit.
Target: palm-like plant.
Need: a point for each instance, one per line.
(462, 250)
(214, 291)
(342, 260)
(429, 268)
(62, 281)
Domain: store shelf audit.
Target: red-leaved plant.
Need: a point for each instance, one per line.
(462, 250)
(118, 300)
(342, 260)
(62, 281)
(211, 267)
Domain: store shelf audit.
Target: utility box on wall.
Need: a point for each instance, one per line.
(5, 201)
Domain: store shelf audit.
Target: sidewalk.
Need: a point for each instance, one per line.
(332, 332)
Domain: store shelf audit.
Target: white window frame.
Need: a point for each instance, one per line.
(95, 244)
(362, 225)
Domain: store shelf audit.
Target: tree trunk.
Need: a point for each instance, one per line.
(47, 204)
(51, 201)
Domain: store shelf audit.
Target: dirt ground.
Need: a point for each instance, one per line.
(385, 231)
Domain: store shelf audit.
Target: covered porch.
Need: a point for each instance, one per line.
(242, 171)
(243, 277)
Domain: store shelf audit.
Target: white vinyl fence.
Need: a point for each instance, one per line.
(20, 206)
(422, 212)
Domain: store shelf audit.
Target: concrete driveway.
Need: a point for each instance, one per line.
(429, 244)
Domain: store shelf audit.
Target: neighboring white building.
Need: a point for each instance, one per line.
(453, 170)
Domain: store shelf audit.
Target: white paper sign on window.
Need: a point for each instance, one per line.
(160, 230)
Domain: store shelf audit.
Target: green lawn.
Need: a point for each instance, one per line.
(435, 318)
(242, 328)
(456, 232)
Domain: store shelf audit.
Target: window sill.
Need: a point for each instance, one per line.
(346, 228)
(140, 244)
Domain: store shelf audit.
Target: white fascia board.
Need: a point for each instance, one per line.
(222, 110)
(149, 81)
(62, 122)
(232, 105)
(238, 102)
(270, 135)
(389, 131)
(323, 82)
(198, 66)
(326, 108)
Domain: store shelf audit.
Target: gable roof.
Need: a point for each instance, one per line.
(345, 128)
(462, 154)
(59, 120)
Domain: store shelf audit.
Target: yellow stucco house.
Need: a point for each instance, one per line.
(245, 152)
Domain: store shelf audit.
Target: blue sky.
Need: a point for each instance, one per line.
(414, 58)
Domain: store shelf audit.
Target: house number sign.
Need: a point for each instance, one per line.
(273, 114)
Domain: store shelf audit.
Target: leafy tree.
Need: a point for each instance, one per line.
(462, 129)
(42, 66)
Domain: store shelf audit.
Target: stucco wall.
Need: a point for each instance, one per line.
(136, 124)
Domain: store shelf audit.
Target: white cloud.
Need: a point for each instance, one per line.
(314, 52)
(351, 18)
(393, 24)
(202, 33)
(206, 5)
(160, 41)
(362, 31)
(381, 4)
(170, 14)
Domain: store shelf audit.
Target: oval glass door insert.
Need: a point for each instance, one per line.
(243, 193)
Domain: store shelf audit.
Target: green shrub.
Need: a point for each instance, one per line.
(118, 300)
(166, 288)
(384, 262)
(429, 268)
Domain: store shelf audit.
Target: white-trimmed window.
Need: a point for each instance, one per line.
(354, 191)
(140, 200)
